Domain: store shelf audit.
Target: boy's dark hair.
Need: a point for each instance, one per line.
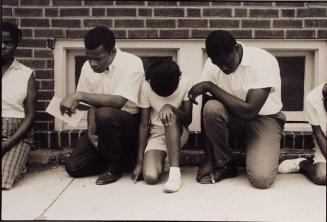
(219, 42)
(100, 35)
(13, 30)
(163, 77)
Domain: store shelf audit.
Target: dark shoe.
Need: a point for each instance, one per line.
(108, 177)
(228, 171)
(204, 172)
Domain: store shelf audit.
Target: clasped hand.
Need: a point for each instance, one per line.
(197, 90)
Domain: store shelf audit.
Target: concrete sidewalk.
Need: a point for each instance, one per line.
(53, 195)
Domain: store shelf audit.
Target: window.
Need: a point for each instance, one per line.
(302, 65)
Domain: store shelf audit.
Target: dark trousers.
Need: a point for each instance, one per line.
(117, 145)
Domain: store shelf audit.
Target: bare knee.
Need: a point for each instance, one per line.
(151, 177)
(261, 180)
(319, 176)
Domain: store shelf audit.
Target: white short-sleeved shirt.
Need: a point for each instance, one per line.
(314, 108)
(258, 69)
(124, 78)
(14, 90)
(149, 99)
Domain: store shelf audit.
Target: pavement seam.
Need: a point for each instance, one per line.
(42, 217)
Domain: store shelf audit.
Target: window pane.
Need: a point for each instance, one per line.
(292, 75)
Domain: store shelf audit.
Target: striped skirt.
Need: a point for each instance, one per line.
(15, 159)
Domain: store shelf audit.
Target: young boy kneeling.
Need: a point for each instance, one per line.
(166, 113)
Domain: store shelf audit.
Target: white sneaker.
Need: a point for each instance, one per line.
(174, 182)
(290, 166)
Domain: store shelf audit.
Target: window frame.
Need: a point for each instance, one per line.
(192, 52)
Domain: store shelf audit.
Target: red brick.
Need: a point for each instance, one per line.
(23, 53)
(193, 12)
(318, 23)
(318, 4)
(121, 12)
(242, 34)
(286, 23)
(194, 3)
(47, 85)
(130, 3)
(145, 12)
(224, 23)
(288, 13)
(311, 12)
(66, 23)
(217, 12)
(258, 4)
(98, 2)
(255, 24)
(300, 34)
(44, 74)
(34, 23)
(9, 2)
(34, 43)
(129, 23)
(290, 4)
(143, 34)
(225, 3)
(75, 34)
(11, 20)
(174, 34)
(98, 12)
(43, 116)
(240, 12)
(95, 22)
(34, 2)
(52, 12)
(322, 34)
(73, 12)
(169, 12)
(67, 2)
(34, 64)
(192, 23)
(200, 33)
(269, 34)
(162, 3)
(263, 13)
(27, 32)
(120, 34)
(50, 64)
(40, 125)
(28, 12)
(49, 33)
(6, 11)
(39, 53)
(160, 23)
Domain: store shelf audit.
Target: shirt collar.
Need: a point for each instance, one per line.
(115, 61)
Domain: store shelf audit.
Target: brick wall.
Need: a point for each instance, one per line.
(43, 20)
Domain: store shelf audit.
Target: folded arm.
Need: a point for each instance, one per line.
(247, 109)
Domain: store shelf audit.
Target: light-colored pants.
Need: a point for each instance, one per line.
(261, 135)
(157, 139)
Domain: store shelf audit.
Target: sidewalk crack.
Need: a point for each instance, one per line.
(42, 217)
